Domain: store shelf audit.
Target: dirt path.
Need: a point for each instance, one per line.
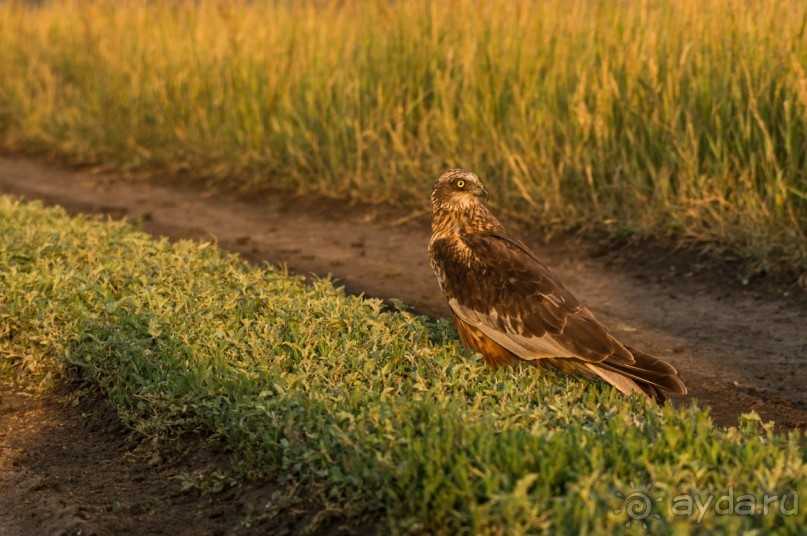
(737, 348)
(68, 466)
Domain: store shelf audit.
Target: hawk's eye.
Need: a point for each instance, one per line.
(460, 183)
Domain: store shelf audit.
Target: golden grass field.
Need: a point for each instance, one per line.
(685, 119)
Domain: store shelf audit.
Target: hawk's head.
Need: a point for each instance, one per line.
(457, 190)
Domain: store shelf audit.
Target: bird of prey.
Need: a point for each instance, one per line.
(511, 307)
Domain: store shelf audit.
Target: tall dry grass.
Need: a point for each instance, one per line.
(685, 118)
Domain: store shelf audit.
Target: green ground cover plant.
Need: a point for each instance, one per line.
(664, 118)
(376, 413)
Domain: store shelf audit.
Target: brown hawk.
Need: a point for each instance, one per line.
(511, 307)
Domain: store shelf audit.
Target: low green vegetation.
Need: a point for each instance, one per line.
(683, 118)
(375, 413)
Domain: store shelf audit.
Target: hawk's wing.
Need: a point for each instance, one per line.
(501, 287)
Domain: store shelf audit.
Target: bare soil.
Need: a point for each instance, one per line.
(738, 347)
(68, 466)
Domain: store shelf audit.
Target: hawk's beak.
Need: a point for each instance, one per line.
(483, 193)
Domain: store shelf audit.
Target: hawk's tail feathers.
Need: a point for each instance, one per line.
(647, 374)
(623, 383)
